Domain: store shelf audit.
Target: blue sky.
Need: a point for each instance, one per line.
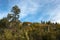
(33, 10)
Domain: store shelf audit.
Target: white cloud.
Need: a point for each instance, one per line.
(2, 15)
(56, 14)
(30, 7)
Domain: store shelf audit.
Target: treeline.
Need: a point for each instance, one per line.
(11, 28)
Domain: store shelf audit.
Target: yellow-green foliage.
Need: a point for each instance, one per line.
(8, 34)
(12, 29)
(34, 31)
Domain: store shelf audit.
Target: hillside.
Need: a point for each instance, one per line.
(11, 28)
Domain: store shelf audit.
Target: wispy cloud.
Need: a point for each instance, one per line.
(27, 7)
(37, 10)
(51, 11)
(3, 14)
(55, 14)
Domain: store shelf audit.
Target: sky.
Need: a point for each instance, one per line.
(33, 10)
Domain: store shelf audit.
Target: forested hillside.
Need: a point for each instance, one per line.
(11, 28)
